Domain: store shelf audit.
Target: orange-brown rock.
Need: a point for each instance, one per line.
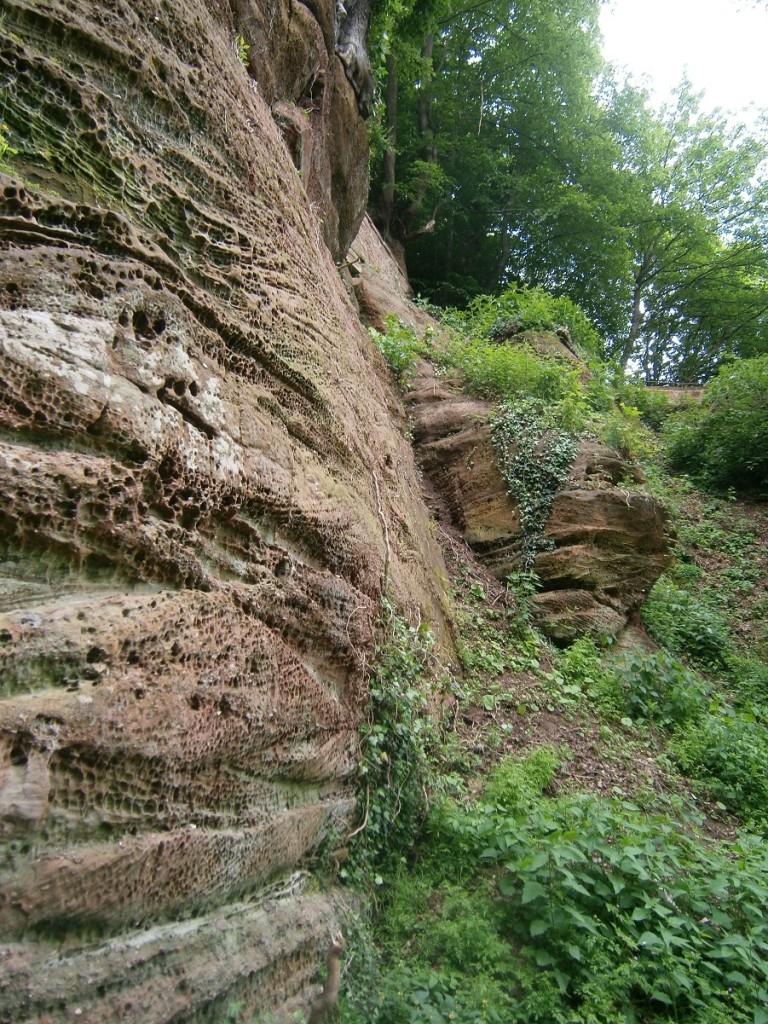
(608, 540)
(381, 285)
(202, 495)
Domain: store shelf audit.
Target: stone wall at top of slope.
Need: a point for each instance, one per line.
(202, 495)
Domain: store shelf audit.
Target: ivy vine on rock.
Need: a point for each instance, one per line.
(535, 456)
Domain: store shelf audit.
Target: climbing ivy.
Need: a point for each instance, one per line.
(395, 769)
(535, 456)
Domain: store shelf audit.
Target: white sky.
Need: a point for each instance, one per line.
(723, 45)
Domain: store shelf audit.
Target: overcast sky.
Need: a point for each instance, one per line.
(722, 43)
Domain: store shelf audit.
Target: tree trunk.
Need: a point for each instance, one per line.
(429, 150)
(641, 280)
(386, 204)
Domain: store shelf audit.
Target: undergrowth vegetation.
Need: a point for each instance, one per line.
(521, 907)
(725, 441)
(503, 893)
(395, 768)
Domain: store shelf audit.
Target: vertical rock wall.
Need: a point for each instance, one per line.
(201, 494)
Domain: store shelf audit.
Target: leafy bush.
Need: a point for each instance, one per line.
(659, 691)
(652, 406)
(620, 429)
(514, 784)
(606, 914)
(748, 677)
(725, 441)
(483, 648)
(399, 345)
(686, 572)
(533, 309)
(448, 958)
(729, 754)
(686, 625)
(506, 373)
(585, 673)
(630, 918)
(413, 995)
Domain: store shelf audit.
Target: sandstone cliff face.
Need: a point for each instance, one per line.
(201, 493)
(608, 540)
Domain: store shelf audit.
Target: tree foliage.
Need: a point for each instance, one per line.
(512, 154)
(726, 441)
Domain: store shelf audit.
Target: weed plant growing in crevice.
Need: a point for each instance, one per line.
(242, 48)
(729, 753)
(687, 625)
(6, 149)
(400, 347)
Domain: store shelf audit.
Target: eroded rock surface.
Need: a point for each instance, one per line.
(608, 540)
(202, 494)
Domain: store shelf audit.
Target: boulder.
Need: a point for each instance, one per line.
(607, 540)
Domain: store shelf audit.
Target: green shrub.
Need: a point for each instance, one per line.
(620, 429)
(659, 691)
(570, 911)
(533, 309)
(652, 406)
(629, 916)
(513, 784)
(686, 625)
(585, 673)
(446, 958)
(724, 443)
(400, 347)
(730, 755)
(748, 678)
(506, 373)
(686, 572)
(423, 995)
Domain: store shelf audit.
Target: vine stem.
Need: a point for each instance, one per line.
(385, 529)
(365, 816)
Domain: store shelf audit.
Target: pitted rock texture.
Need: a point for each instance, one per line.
(243, 956)
(609, 540)
(380, 284)
(202, 496)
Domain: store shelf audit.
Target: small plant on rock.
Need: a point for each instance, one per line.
(6, 149)
(242, 49)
